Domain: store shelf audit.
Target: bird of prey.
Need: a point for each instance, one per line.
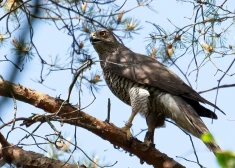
(151, 89)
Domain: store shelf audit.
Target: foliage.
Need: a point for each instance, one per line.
(226, 159)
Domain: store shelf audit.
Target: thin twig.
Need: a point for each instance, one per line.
(217, 87)
(217, 91)
(108, 114)
(85, 65)
(191, 140)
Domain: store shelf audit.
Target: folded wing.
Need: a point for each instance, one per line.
(147, 71)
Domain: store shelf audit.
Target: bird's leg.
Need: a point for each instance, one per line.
(139, 103)
(151, 119)
(154, 120)
(128, 125)
(149, 136)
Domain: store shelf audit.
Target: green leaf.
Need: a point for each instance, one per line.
(226, 159)
(207, 137)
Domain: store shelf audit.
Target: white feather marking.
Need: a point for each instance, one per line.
(139, 99)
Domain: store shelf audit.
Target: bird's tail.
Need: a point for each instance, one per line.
(213, 147)
(187, 118)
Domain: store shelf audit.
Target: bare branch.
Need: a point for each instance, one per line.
(19, 157)
(217, 87)
(68, 114)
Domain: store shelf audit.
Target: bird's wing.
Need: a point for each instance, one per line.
(147, 71)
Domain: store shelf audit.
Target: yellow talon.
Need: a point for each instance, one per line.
(126, 129)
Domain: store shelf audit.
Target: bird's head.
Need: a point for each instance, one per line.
(102, 36)
(103, 41)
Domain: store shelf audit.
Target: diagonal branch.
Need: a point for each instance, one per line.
(102, 129)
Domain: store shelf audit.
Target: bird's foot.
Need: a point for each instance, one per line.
(126, 129)
(148, 140)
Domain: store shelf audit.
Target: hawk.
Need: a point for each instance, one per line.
(151, 89)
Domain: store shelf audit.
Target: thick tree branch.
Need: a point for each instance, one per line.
(27, 159)
(104, 130)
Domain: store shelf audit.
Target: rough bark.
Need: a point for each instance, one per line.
(71, 115)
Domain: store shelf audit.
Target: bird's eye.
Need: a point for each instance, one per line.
(103, 33)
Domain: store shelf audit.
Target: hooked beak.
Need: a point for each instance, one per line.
(94, 39)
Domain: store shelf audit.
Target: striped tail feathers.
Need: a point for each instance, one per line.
(209, 141)
(213, 147)
(188, 119)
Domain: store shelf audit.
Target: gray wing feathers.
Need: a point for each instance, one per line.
(145, 70)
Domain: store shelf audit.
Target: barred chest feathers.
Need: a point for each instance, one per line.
(142, 98)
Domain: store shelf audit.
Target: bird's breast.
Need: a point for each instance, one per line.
(121, 86)
(118, 85)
